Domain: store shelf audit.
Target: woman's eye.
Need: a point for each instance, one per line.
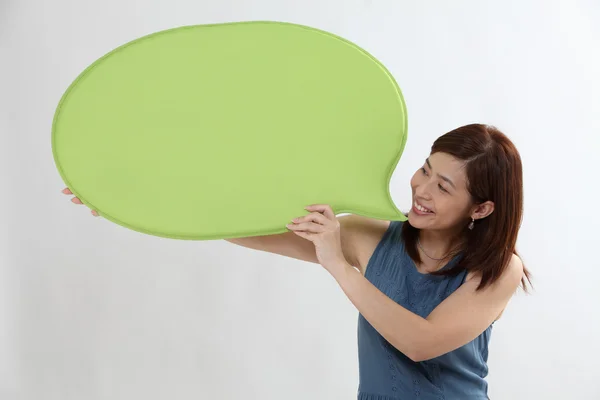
(442, 188)
(423, 169)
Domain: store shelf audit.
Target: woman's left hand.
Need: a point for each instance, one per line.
(323, 229)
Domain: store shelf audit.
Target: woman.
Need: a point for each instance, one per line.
(428, 290)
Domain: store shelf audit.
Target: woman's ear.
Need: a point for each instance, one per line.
(482, 210)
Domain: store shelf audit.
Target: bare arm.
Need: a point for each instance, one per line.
(289, 244)
(456, 321)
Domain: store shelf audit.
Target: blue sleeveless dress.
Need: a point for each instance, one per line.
(385, 373)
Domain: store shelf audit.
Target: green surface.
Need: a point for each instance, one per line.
(230, 130)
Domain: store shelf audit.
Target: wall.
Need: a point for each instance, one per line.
(90, 310)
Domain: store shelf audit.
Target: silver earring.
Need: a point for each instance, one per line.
(472, 224)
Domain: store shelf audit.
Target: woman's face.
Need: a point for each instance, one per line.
(441, 200)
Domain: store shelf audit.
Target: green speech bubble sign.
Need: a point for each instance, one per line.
(230, 130)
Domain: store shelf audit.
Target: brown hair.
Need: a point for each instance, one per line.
(494, 172)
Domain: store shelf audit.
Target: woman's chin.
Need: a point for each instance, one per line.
(413, 220)
(418, 221)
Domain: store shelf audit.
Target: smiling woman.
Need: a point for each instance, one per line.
(434, 286)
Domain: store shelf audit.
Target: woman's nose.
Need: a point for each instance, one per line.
(423, 191)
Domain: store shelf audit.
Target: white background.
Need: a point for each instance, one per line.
(91, 310)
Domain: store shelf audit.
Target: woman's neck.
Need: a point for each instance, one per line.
(437, 248)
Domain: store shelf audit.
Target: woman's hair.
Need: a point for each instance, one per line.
(494, 172)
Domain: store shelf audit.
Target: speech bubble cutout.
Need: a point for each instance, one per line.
(230, 130)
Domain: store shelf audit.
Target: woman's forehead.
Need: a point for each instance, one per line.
(449, 166)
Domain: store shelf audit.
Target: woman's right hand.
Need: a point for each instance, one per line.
(77, 201)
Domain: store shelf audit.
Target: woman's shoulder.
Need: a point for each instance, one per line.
(510, 278)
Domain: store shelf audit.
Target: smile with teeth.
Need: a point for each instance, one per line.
(422, 209)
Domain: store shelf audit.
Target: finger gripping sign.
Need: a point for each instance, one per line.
(230, 130)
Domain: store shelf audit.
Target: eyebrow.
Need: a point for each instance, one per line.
(445, 178)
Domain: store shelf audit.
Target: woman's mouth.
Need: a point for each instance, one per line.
(420, 210)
